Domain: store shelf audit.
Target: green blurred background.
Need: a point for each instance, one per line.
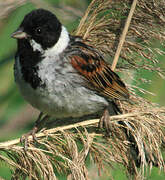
(16, 115)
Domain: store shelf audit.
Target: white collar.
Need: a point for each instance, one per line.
(58, 48)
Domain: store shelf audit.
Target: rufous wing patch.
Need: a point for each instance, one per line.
(100, 75)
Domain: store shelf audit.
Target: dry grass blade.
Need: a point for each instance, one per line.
(8, 6)
(124, 33)
(60, 150)
(103, 23)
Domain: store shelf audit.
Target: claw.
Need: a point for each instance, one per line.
(104, 121)
(24, 138)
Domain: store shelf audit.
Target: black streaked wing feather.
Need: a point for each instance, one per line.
(91, 65)
(103, 79)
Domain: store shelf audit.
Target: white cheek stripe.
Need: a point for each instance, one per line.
(36, 46)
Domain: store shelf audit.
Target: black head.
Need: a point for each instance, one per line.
(40, 25)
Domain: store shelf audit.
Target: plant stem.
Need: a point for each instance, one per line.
(123, 36)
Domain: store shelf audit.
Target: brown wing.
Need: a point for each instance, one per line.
(100, 75)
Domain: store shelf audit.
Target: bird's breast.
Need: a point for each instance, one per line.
(63, 95)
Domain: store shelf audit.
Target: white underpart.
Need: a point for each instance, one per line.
(57, 48)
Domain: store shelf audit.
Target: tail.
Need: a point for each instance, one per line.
(128, 130)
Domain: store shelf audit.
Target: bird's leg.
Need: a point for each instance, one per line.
(105, 121)
(38, 122)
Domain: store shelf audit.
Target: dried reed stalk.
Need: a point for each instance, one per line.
(8, 6)
(123, 36)
(135, 144)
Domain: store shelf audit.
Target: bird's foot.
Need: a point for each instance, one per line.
(25, 138)
(38, 124)
(105, 121)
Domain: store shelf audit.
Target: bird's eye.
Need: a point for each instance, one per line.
(38, 31)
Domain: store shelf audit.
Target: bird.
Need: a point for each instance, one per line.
(62, 75)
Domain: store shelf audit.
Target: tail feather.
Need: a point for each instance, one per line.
(128, 130)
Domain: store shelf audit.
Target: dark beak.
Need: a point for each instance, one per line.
(19, 34)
